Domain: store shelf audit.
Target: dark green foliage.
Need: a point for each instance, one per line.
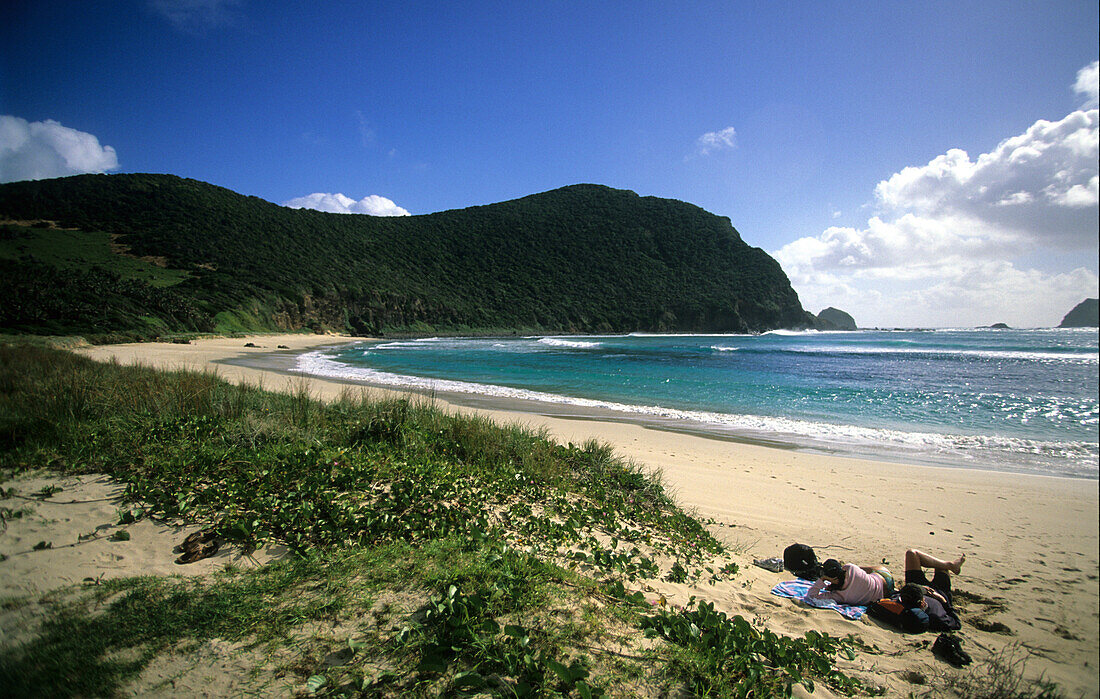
(459, 627)
(584, 258)
(728, 657)
(45, 300)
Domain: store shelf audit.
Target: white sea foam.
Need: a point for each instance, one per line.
(1077, 357)
(391, 345)
(575, 344)
(405, 344)
(720, 348)
(1074, 458)
(642, 334)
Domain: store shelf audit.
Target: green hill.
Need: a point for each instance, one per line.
(1083, 315)
(146, 254)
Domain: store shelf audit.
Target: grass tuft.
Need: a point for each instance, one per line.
(1003, 676)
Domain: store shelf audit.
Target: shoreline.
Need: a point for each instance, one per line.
(1031, 540)
(569, 409)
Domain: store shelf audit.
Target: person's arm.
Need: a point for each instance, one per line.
(815, 589)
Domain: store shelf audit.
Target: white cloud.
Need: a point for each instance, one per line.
(1088, 85)
(977, 294)
(373, 205)
(42, 149)
(910, 247)
(964, 241)
(712, 141)
(1041, 184)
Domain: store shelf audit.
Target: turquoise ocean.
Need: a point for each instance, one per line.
(1014, 400)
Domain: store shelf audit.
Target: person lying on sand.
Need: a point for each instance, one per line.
(934, 598)
(848, 583)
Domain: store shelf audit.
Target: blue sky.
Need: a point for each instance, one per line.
(829, 133)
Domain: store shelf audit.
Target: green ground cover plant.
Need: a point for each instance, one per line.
(431, 553)
(721, 656)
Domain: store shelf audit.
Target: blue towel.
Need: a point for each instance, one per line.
(797, 589)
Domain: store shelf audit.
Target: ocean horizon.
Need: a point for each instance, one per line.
(1006, 400)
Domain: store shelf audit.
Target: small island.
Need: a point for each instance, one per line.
(835, 319)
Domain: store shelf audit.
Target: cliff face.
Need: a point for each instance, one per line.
(1084, 315)
(584, 258)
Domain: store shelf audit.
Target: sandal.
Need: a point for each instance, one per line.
(197, 546)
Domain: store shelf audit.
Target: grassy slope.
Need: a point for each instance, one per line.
(67, 249)
(438, 553)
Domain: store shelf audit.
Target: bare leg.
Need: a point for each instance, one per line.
(915, 560)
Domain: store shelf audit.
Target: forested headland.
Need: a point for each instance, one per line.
(140, 256)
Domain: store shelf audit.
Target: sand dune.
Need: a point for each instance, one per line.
(1031, 542)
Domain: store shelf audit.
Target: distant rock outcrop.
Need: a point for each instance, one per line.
(835, 319)
(999, 326)
(1084, 315)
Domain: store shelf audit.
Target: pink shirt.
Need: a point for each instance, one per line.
(860, 587)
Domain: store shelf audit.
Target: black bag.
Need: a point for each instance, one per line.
(893, 612)
(801, 560)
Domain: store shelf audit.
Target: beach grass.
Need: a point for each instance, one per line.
(430, 552)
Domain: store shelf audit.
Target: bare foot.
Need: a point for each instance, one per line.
(956, 565)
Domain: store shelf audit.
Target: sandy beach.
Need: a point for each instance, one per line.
(1032, 542)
